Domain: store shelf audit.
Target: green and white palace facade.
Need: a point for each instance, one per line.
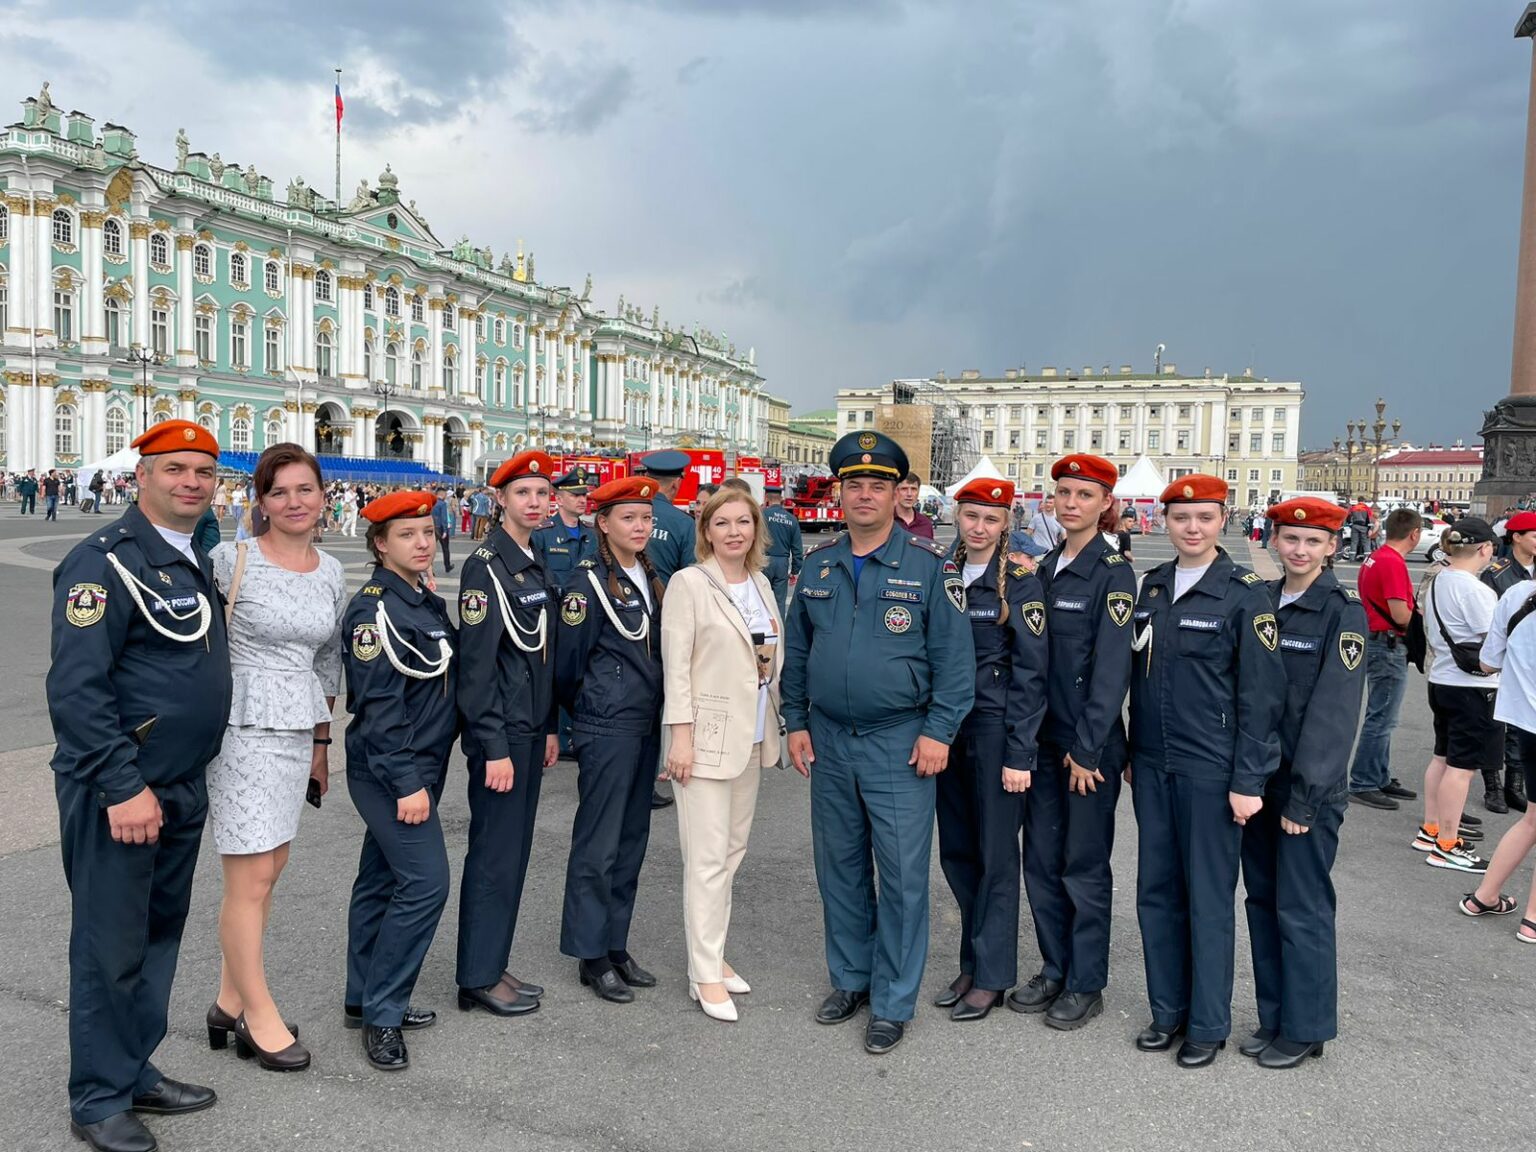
(131, 293)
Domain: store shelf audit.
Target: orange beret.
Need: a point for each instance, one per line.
(1081, 466)
(399, 506)
(1308, 512)
(626, 490)
(1196, 488)
(176, 436)
(524, 464)
(987, 490)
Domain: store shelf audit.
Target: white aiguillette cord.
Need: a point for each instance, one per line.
(138, 589)
(603, 598)
(438, 667)
(517, 631)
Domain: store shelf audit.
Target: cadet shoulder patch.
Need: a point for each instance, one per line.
(1267, 630)
(1034, 616)
(373, 589)
(1113, 558)
(472, 605)
(85, 605)
(1120, 605)
(1350, 593)
(485, 553)
(1252, 578)
(587, 563)
(1018, 570)
(950, 568)
(365, 641)
(573, 609)
(1351, 649)
(954, 589)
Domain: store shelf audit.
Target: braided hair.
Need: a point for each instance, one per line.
(1002, 576)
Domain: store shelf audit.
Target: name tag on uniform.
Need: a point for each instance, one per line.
(1070, 604)
(1200, 623)
(552, 550)
(901, 594)
(982, 613)
(814, 593)
(174, 603)
(1299, 643)
(528, 599)
(1143, 615)
(436, 634)
(904, 583)
(628, 603)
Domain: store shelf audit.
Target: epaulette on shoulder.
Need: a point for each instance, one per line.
(928, 545)
(820, 544)
(485, 553)
(372, 590)
(1500, 565)
(1349, 594)
(1113, 558)
(1017, 570)
(1247, 577)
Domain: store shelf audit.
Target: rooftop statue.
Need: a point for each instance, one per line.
(363, 199)
(216, 166)
(252, 180)
(655, 314)
(586, 289)
(183, 145)
(44, 101)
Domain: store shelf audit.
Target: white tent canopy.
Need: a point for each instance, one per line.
(982, 467)
(1142, 482)
(124, 460)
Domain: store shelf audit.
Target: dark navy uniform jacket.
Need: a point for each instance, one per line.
(1010, 660)
(1088, 608)
(1322, 644)
(1502, 575)
(1207, 686)
(559, 551)
(672, 532)
(114, 673)
(402, 727)
(784, 540)
(610, 684)
(873, 653)
(507, 695)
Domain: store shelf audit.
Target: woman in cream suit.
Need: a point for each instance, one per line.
(721, 654)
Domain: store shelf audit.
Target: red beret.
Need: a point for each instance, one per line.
(1310, 512)
(1081, 466)
(176, 436)
(1521, 522)
(987, 490)
(399, 506)
(1196, 488)
(627, 490)
(524, 464)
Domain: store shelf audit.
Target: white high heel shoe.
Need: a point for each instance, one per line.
(735, 985)
(725, 1012)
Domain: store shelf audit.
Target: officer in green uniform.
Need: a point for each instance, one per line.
(786, 552)
(879, 672)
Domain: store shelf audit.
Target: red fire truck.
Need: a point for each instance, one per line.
(815, 503)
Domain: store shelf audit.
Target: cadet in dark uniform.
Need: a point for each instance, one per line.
(981, 793)
(139, 692)
(1502, 575)
(786, 551)
(564, 541)
(1069, 815)
(404, 719)
(878, 674)
(1207, 687)
(1289, 847)
(506, 694)
(608, 671)
(672, 536)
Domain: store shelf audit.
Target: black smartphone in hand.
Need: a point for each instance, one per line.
(312, 794)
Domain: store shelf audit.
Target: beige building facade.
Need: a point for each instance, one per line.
(1419, 475)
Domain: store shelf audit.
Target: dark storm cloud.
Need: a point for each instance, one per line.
(692, 70)
(575, 99)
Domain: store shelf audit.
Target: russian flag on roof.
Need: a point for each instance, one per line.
(338, 104)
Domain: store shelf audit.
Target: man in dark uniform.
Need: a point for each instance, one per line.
(1290, 845)
(672, 535)
(879, 672)
(786, 552)
(564, 541)
(1502, 575)
(139, 693)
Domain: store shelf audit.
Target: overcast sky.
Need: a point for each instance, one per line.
(1326, 190)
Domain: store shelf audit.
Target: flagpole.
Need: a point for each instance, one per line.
(338, 144)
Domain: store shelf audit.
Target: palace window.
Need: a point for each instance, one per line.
(1069, 441)
(202, 261)
(274, 432)
(1253, 475)
(272, 359)
(1234, 441)
(203, 346)
(323, 355)
(272, 277)
(240, 434)
(1096, 440)
(392, 301)
(63, 430)
(480, 329)
(1155, 412)
(1279, 415)
(1097, 412)
(209, 424)
(500, 331)
(1013, 441)
(323, 293)
(1181, 441)
(1274, 475)
(450, 316)
(159, 330)
(114, 313)
(1125, 442)
(63, 227)
(1256, 442)
(392, 364)
(159, 250)
(1183, 411)
(64, 315)
(239, 270)
(112, 237)
(450, 372)
(480, 378)
(1040, 439)
(1154, 441)
(5, 223)
(1277, 442)
(418, 365)
(988, 441)
(1125, 411)
(499, 397)
(1069, 412)
(1232, 475)
(368, 297)
(518, 380)
(519, 334)
(417, 309)
(117, 430)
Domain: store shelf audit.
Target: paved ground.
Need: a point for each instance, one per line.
(1437, 1010)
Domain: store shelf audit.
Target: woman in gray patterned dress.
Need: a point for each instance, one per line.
(285, 652)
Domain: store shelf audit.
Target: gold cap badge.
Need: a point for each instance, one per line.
(188, 434)
(996, 492)
(1189, 492)
(1074, 466)
(864, 459)
(421, 509)
(533, 465)
(866, 442)
(1301, 513)
(645, 490)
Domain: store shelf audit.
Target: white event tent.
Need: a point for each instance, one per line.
(1143, 481)
(982, 467)
(123, 460)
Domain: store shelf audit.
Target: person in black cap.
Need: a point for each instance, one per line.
(786, 551)
(672, 534)
(563, 541)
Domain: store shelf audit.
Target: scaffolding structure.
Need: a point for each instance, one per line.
(953, 436)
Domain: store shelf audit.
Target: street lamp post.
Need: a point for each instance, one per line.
(1378, 428)
(384, 389)
(141, 390)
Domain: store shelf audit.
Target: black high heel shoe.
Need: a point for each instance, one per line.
(221, 1025)
(294, 1058)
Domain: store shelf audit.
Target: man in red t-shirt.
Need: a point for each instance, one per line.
(1386, 590)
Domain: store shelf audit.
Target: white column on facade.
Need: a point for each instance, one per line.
(94, 442)
(138, 255)
(186, 404)
(583, 401)
(435, 344)
(92, 310)
(42, 397)
(362, 433)
(571, 403)
(549, 396)
(653, 394)
(600, 394)
(186, 307)
(349, 361)
(42, 283)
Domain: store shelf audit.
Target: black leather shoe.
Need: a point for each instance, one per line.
(1260, 1040)
(1514, 796)
(124, 1132)
(172, 1098)
(841, 1005)
(1074, 1009)
(385, 1048)
(1375, 798)
(1036, 996)
(1285, 1053)
(1493, 800)
(880, 1036)
(660, 799)
(608, 984)
(965, 1010)
(1154, 1039)
(1396, 791)
(958, 987)
(1199, 1053)
(221, 1027)
(352, 1017)
(517, 1005)
(631, 973)
(293, 1058)
(523, 986)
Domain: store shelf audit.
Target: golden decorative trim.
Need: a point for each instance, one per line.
(65, 199)
(205, 234)
(242, 246)
(310, 407)
(17, 206)
(435, 305)
(396, 279)
(92, 219)
(392, 244)
(189, 396)
(185, 243)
